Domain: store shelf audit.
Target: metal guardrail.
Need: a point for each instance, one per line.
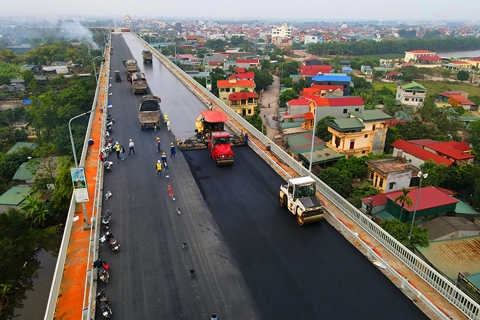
(442, 285)
(62, 254)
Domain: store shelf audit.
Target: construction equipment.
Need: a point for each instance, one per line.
(211, 134)
(131, 65)
(149, 112)
(299, 197)
(147, 56)
(139, 83)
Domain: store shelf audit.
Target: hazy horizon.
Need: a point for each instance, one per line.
(307, 10)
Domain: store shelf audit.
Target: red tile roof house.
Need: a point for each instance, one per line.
(458, 152)
(416, 155)
(323, 90)
(432, 202)
(393, 75)
(243, 76)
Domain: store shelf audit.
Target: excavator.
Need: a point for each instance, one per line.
(211, 134)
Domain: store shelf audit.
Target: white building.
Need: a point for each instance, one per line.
(282, 32)
(411, 94)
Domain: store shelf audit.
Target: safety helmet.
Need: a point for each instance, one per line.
(171, 143)
(158, 138)
(158, 161)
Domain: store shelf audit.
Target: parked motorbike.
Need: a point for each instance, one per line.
(110, 118)
(109, 127)
(114, 245)
(106, 220)
(102, 269)
(108, 165)
(109, 140)
(104, 306)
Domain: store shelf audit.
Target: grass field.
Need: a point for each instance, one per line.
(380, 85)
(434, 87)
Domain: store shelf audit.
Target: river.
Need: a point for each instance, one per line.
(35, 304)
(460, 54)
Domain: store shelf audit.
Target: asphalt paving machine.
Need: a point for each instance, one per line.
(211, 134)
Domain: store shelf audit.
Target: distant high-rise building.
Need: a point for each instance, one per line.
(127, 21)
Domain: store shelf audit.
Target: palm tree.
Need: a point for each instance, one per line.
(403, 199)
(35, 210)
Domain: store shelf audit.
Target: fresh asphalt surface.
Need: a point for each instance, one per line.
(251, 260)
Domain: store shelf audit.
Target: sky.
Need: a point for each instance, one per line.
(286, 10)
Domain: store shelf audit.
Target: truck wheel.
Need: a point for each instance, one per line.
(142, 128)
(283, 201)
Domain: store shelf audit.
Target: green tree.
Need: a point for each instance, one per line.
(359, 192)
(337, 180)
(474, 130)
(217, 45)
(299, 85)
(400, 231)
(286, 82)
(403, 199)
(263, 79)
(322, 129)
(266, 65)
(289, 68)
(35, 210)
(288, 95)
(357, 167)
(463, 75)
(256, 121)
(437, 173)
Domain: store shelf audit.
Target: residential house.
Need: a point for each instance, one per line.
(213, 60)
(415, 54)
(299, 146)
(323, 91)
(416, 155)
(458, 152)
(243, 75)
(308, 72)
(283, 31)
(340, 107)
(460, 101)
(393, 75)
(21, 49)
(362, 134)
(445, 228)
(243, 103)
(30, 67)
(445, 95)
(366, 70)
(247, 63)
(334, 79)
(14, 197)
(458, 65)
(190, 39)
(18, 145)
(431, 203)
(312, 62)
(347, 70)
(475, 62)
(429, 59)
(411, 94)
(391, 174)
(227, 87)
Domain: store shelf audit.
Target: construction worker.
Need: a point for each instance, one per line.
(165, 117)
(117, 149)
(158, 167)
(164, 160)
(168, 124)
(172, 150)
(158, 145)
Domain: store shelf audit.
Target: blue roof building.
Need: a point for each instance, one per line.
(339, 79)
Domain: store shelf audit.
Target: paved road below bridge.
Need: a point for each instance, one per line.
(250, 258)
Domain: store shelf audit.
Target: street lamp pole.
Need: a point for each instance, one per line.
(422, 176)
(87, 224)
(313, 135)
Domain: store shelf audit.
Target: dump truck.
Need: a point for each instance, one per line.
(299, 196)
(131, 65)
(211, 134)
(149, 112)
(147, 56)
(139, 83)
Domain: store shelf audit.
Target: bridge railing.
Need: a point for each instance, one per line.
(62, 254)
(437, 281)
